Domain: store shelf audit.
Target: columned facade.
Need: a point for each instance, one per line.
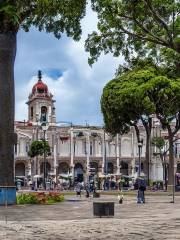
(77, 151)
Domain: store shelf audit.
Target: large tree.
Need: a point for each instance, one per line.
(144, 92)
(124, 106)
(144, 27)
(52, 16)
(39, 148)
(165, 95)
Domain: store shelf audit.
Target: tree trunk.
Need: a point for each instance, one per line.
(171, 163)
(148, 127)
(165, 176)
(7, 137)
(147, 160)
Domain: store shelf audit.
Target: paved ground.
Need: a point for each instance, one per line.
(158, 219)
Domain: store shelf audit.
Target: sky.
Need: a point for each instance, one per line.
(76, 86)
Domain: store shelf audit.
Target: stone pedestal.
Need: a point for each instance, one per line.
(103, 209)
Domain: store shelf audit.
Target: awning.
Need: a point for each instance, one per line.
(37, 176)
(101, 175)
(65, 176)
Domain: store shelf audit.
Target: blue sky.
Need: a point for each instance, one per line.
(76, 86)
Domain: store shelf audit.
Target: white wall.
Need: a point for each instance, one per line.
(126, 148)
(64, 148)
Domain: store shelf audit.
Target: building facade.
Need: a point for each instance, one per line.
(76, 151)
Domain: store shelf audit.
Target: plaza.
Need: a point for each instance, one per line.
(156, 220)
(112, 139)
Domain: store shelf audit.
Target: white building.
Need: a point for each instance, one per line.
(76, 149)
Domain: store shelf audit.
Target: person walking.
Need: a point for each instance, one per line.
(87, 189)
(78, 190)
(141, 190)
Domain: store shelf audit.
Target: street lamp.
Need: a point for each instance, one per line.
(105, 160)
(140, 144)
(44, 128)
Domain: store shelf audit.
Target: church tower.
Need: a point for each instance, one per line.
(41, 104)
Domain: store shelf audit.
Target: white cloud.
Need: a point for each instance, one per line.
(77, 92)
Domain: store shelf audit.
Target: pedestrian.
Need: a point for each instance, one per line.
(87, 190)
(78, 190)
(141, 190)
(120, 198)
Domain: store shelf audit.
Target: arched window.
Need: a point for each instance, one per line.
(43, 114)
(63, 168)
(78, 172)
(110, 168)
(94, 167)
(124, 168)
(31, 111)
(91, 148)
(20, 169)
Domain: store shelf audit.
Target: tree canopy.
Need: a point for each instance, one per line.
(56, 16)
(137, 94)
(143, 27)
(123, 102)
(38, 148)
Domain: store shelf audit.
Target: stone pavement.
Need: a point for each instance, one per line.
(158, 219)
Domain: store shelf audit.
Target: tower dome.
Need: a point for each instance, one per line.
(41, 103)
(40, 87)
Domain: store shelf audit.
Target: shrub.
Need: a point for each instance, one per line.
(29, 198)
(55, 196)
(39, 198)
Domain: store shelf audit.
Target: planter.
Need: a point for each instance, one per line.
(103, 209)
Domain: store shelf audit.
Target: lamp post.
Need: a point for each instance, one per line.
(105, 160)
(140, 144)
(37, 134)
(140, 194)
(164, 167)
(44, 128)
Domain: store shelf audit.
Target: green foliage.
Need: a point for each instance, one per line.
(27, 198)
(37, 148)
(123, 101)
(155, 183)
(159, 142)
(145, 27)
(9, 10)
(165, 95)
(39, 198)
(136, 94)
(56, 197)
(52, 16)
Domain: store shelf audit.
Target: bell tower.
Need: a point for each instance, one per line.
(40, 103)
